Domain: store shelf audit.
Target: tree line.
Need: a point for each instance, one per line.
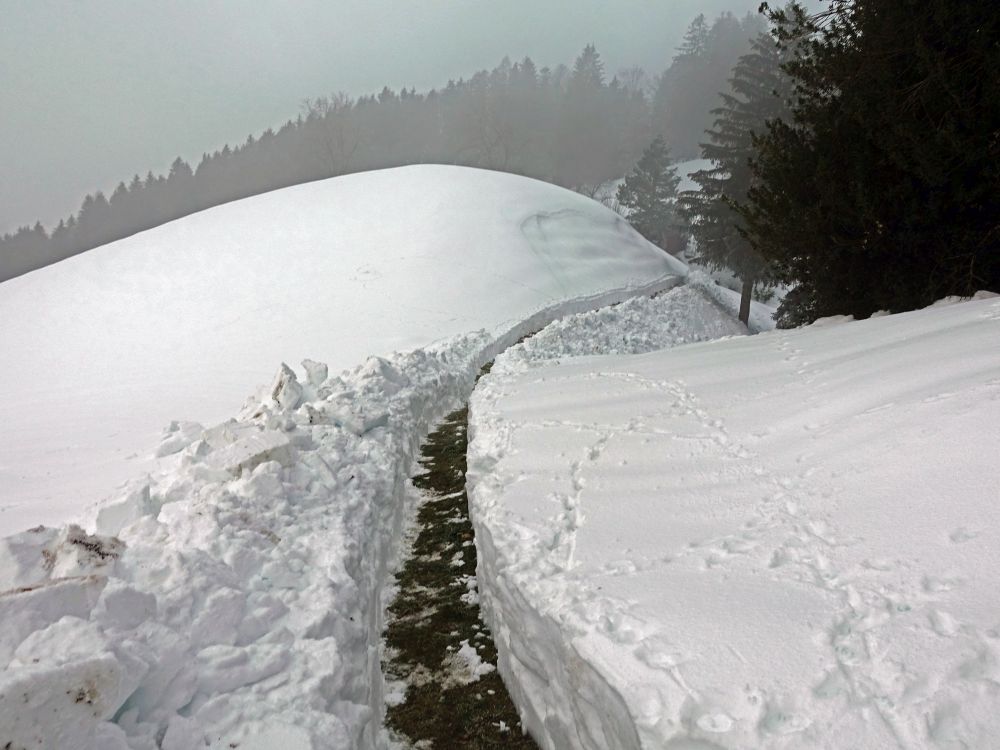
(573, 126)
(855, 157)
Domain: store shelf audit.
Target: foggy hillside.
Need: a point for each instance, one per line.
(575, 125)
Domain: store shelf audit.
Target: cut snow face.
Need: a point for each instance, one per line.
(762, 542)
(101, 351)
(233, 596)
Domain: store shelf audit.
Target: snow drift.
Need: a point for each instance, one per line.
(230, 594)
(787, 540)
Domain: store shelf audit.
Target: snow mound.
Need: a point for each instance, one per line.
(762, 542)
(181, 322)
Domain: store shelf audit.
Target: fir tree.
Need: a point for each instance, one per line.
(759, 92)
(649, 193)
(884, 190)
(588, 70)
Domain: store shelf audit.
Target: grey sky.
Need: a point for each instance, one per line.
(94, 91)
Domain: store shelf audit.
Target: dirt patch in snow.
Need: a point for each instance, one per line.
(437, 649)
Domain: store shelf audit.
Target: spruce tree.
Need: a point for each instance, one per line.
(649, 193)
(759, 92)
(883, 192)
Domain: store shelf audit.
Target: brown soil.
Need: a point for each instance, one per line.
(428, 619)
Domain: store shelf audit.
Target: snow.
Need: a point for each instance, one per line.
(784, 540)
(761, 314)
(182, 322)
(229, 592)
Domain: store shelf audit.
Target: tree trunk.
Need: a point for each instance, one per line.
(745, 300)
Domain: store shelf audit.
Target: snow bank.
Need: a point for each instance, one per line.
(787, 540)
(231, 596)
(100, 351)
(761, 315)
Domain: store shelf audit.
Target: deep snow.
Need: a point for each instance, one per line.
(101, 351)
(231, 596)
(790, 540)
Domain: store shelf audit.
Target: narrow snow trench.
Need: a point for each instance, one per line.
(443, 687)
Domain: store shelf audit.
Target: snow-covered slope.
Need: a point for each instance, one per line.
(101, 351)
(790, 540)
(232, 596)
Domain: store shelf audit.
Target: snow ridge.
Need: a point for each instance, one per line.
(234, 598)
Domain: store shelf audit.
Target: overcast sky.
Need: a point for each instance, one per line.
(94, 91)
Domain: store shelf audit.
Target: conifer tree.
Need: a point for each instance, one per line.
(883, 192)
(759, 92)
(588, 70)
(649, 193)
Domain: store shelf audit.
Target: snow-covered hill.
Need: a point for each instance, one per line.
(790, 540)
(232, 595)
(101, 351)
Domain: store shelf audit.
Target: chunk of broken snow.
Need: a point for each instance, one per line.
(316, 372)
(177, 437)
(63, 682)
(134, 503)
(250, 450)
(286, 391)
(41, 554)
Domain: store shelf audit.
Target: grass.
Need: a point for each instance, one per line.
(428, 617)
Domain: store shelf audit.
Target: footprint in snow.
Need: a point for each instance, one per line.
(943, 624)
(715, 723)
(778, 721)
(962, 534)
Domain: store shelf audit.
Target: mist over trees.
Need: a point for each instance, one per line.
(573, 126)
(688, 90)
(855, 152)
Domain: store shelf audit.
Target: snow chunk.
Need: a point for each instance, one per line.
(63, 681)
(177, 437)
(316, 372)
(250, 450)
(465, 665)
(285, 391)
(134, 503)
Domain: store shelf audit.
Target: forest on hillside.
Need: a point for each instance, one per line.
(576, 126)
(854, 152)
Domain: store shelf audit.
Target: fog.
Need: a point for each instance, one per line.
(95, 92)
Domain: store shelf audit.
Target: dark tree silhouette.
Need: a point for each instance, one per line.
(649, 194)
(883, 192)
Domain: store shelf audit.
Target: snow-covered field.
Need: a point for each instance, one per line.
(231, 595)
(790, 540)
(101, 351)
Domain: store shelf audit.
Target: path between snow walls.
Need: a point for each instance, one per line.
(234, 600)
(789, 540)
